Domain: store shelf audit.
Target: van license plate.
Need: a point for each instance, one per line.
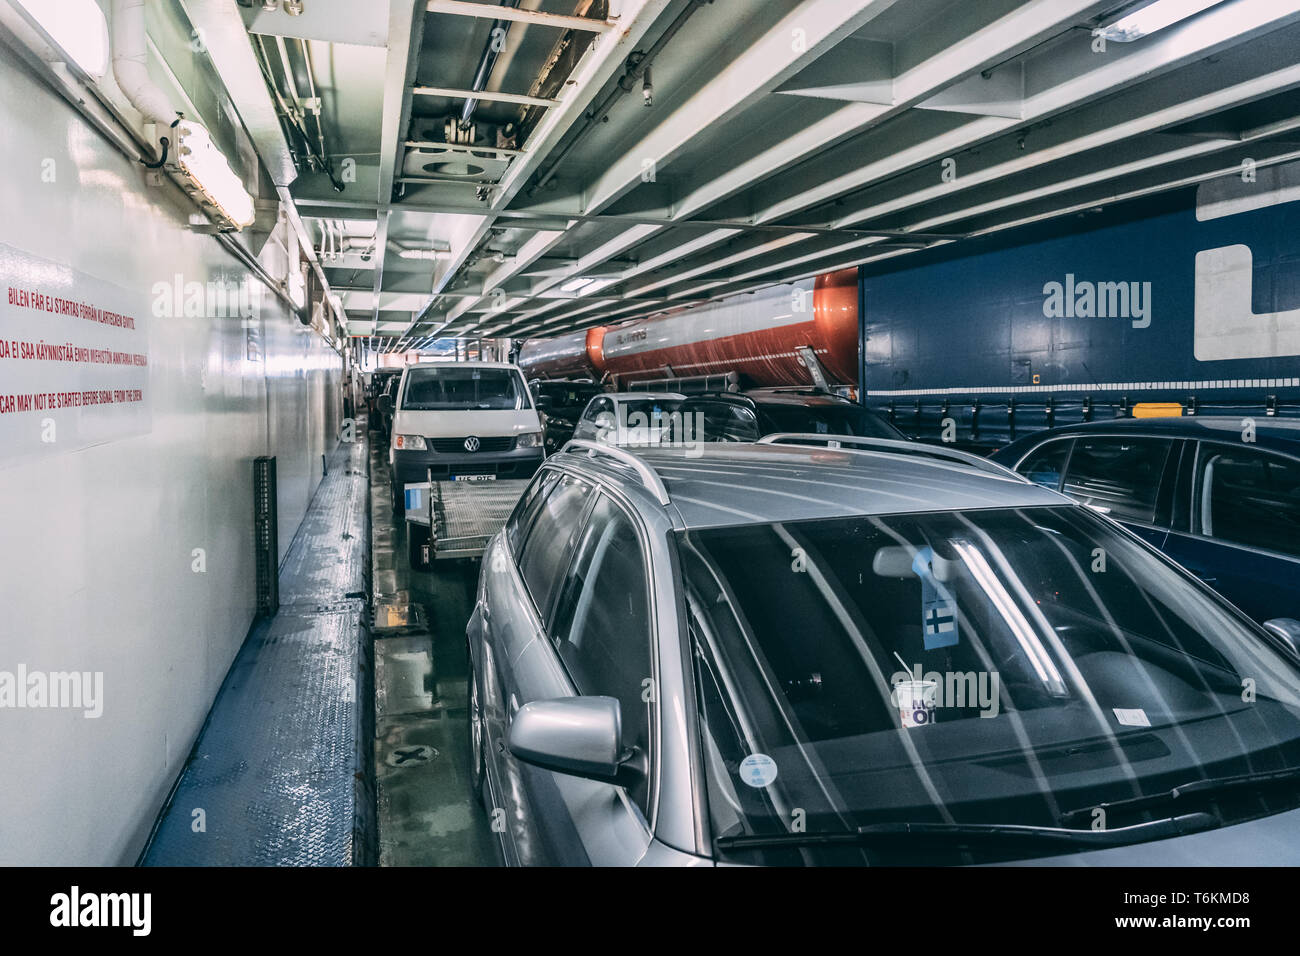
(473, 477)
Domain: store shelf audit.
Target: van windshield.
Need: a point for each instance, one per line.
(1034, 667)
(464, 389)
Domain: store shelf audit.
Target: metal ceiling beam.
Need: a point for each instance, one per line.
(760, 67)
(1152, 182)
(1169, 100)
(597, 66)
(1142, 111)
(559, 220)
(405, 35)
(1061, 78)
(988, 45)
(452, 93)
(461, 147)
(488, 11)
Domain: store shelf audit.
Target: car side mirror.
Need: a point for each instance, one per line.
(1287, 630)
(385, 403)
(580, 736)
(543, 403)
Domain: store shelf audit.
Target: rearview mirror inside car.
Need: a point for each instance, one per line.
(897, 561)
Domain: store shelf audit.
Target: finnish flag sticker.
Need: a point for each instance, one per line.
(940, 623)
(938, 607)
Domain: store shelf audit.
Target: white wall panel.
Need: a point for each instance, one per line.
(96, 545)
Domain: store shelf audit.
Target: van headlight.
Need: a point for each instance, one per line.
(409, 442)
(529, 440)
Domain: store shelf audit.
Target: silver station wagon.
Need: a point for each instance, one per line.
(852, 651)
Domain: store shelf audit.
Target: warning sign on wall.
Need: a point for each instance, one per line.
(74, 359)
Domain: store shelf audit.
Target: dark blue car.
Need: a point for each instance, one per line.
(1219, 495)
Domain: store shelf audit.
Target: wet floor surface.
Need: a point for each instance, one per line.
(427, 815)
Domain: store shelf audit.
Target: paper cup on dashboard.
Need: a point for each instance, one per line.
(916, 701)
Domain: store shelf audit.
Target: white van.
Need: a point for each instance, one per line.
(463, 421)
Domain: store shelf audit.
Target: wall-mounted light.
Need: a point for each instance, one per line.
(1154, 16)
(78, 27)
(206, 169)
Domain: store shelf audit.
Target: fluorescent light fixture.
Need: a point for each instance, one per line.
(205, 166)
(1154, 16)
(423, 254)
(573, 285)
(78, 27)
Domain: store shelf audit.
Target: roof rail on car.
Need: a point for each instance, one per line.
(894, 446)
(652, 482)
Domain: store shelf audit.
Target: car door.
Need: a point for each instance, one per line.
(1242, 533)
(1122, 476)
(723, 421)
(1045, 465)
(600, 634)
(587, 429)
(523, 571)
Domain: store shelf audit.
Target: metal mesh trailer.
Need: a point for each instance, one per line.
(456, 519)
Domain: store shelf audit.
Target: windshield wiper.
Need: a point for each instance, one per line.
(958, 834)
(1192, 788)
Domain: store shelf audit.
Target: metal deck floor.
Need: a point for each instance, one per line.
(427, 814)
(279, 775)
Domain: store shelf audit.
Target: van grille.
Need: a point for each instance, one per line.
(456, 446)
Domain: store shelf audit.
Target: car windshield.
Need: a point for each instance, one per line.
(564, 396)
(648, 411)
(827, 420)
(464, 389)
(1008, 666)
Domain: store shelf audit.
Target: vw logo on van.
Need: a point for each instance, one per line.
(471, 443)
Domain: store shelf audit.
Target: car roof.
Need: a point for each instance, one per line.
(717, 484)
(642, 396)
(1272, 432)
(452, 363)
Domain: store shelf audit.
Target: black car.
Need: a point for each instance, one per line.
(379, 380)
(561, 404)
(748, 416)
(384, 410)
(1218, 494)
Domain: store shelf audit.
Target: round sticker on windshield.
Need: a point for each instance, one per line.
(758, 770)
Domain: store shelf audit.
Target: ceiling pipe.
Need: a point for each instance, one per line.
(131, 64)
(486, 61)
